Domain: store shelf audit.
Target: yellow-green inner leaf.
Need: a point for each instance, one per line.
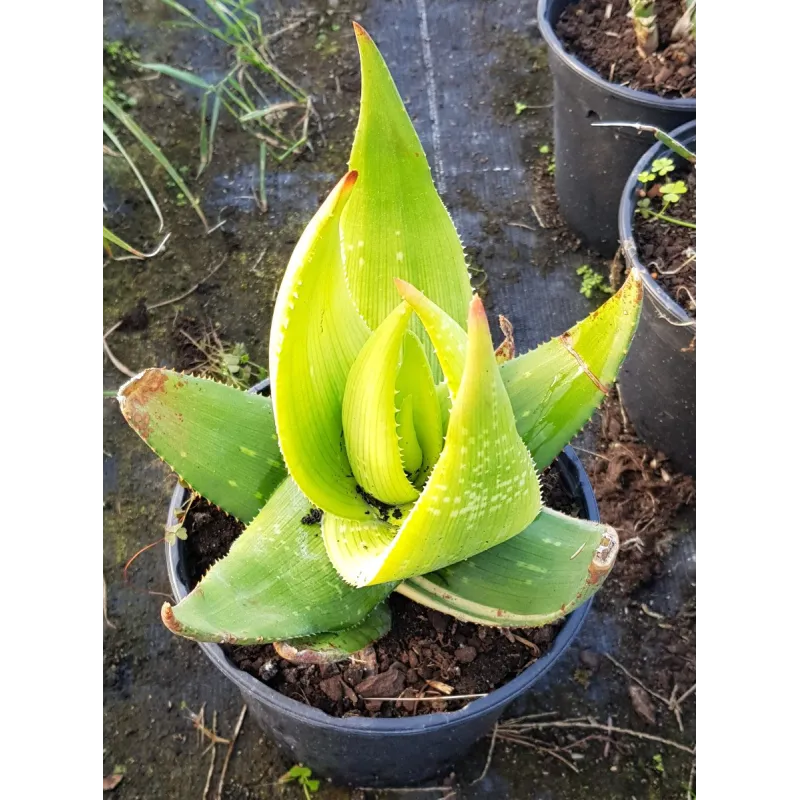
(483, 490)
(369, 413)
(395, 224)
(315, 337)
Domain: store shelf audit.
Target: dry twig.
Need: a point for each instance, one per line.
(229, 752)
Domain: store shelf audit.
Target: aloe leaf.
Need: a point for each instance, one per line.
(220, 440)
(556, 564)
(416, 389)
(326, 648)
(395, 224)
(448, 337)
(316, 336)
(483, 490)
(555, 388)
(369, 413)
(275, 583)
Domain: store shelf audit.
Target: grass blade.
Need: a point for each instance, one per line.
(154, 151)
(178, 75)
(124, 153)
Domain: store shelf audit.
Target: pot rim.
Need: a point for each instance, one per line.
(686, 134)
(544, 12)
(574, 472)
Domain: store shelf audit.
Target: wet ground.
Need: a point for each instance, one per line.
(461, 66)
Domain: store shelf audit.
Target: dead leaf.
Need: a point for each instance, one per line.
(111, 781)
(642, 704)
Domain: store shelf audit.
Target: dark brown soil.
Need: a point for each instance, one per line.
(546, 204)
(608, 46)
(639, 494)
(665, 247)
(423, 648)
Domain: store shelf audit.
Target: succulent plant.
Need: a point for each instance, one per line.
(392, 414)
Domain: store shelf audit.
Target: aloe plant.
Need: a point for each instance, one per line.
(392, 414)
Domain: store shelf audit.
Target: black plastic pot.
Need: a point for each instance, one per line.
(592, 164)
(385, 752)
(657, 380)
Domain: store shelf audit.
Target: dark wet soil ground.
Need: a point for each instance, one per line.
(484, 58)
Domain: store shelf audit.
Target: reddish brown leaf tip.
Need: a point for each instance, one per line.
(477, 313)
(360, 32)
(168, 618)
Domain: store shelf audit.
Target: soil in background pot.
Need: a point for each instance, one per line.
(666, 248)
(639, 494)
(423, 648)
(608, 46)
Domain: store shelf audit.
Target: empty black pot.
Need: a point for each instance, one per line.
(657, 379)
(592, 164)
(385, 752)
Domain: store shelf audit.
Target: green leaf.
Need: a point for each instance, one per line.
(556, 564)
(663, 165)
(395, 224)
(154, 151)
(276, 583)
(327, 648)
(369, 413)
(221, 441)
(448, 337)
(555, 388)
(112, 238)
(178, 75)
(315, 337)
(483, 490)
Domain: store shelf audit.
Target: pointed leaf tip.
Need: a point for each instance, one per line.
(361, 32)
(168, 618)
(341, 192)
(477, 313)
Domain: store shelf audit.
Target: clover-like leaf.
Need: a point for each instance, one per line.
(663, 166)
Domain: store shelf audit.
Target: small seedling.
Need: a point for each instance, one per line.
(302, 775)
(551, 166)
(591, 280)
(671, 192)
(658, 763)
(544, 149)
(661, 166)
(174, 532)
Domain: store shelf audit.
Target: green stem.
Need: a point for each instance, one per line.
(661, 215)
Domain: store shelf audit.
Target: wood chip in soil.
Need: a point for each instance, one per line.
(639, 494)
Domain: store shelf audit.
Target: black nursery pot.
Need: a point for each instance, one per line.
(365, 751)
(592, 164)
(657, 381)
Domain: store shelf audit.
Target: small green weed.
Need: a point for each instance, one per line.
(670, 192)
(302, 775)
(592, 280)
(658, 763)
